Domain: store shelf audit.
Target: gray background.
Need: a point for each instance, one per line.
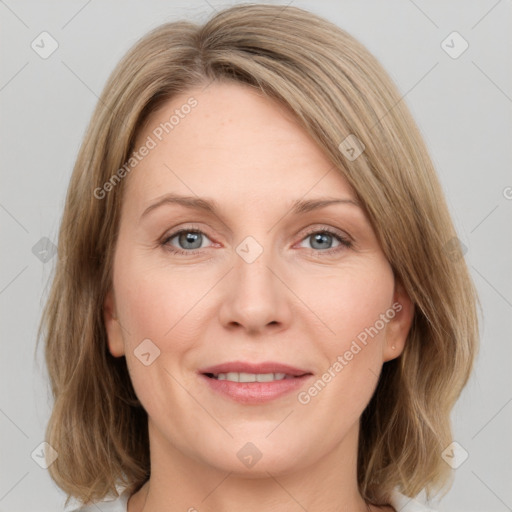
(462, 105)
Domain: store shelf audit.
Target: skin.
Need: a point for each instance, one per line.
(298, 303)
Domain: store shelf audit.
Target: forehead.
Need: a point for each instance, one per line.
(233, 143)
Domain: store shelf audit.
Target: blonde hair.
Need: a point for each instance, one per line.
(335, 88)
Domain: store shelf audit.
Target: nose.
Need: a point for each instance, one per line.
(255, 298)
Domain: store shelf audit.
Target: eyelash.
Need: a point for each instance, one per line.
(345, 243)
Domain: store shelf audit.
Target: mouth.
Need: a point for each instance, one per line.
(250, 383)
(251, 377)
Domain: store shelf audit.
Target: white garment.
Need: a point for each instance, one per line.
(399, 502)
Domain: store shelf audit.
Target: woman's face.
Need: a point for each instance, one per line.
(276, 263)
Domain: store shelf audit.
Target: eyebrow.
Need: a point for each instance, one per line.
(211, 206)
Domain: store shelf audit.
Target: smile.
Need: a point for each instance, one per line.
(250, 377)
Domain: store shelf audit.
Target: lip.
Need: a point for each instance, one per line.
(254, 392)
(265, 367)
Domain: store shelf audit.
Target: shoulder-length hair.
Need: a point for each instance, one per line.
(336, 89)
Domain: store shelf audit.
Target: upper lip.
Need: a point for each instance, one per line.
(246, 367)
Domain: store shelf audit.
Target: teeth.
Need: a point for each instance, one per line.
(251, 377)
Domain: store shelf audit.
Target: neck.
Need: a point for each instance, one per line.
(183, 483)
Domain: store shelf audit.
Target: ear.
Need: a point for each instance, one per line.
(398, 327)
(112, 326)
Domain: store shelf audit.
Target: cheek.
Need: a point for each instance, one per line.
(162, 307)
(349, 302)
(168, 308)
(156, 303)
(352, 307)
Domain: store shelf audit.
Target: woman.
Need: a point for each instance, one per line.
(254, 304)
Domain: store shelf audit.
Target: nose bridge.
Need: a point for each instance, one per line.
(256, 297)
(252, 266)
(255, 282)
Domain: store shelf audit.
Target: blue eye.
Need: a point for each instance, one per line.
(323, 240)
(189, 241)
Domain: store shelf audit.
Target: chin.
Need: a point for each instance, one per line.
(257, 458)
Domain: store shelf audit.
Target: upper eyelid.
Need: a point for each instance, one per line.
(328, 229)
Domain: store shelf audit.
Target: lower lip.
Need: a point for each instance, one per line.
(255, 392)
